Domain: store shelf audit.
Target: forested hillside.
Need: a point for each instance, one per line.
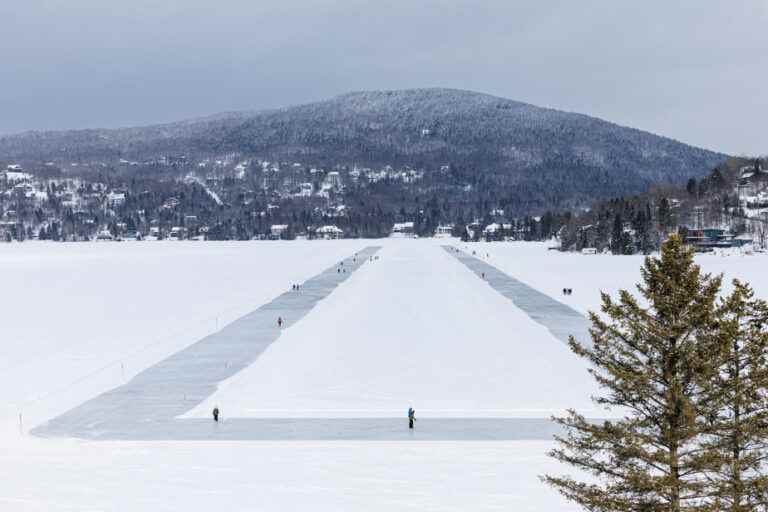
(511, 155)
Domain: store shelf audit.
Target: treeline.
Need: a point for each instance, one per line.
(470, 201)
(628, 225)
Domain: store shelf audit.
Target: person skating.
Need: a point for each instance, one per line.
(279, 322)
(216, 414)
(411, 417)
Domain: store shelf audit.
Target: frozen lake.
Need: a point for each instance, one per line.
(416, 327)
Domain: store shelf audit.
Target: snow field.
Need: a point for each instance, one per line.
(59, 476)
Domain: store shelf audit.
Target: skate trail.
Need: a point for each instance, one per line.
(561, 320)
(149, 406)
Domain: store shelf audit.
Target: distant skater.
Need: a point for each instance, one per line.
(216, 414)
(411, 417)
(279, 322)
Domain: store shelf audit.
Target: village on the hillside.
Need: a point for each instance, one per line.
(231, 198)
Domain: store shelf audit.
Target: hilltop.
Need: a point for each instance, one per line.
(551, 158)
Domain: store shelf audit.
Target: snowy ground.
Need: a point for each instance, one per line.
(415, 327)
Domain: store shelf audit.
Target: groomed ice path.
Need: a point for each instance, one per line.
(149, 405)
(561, 320)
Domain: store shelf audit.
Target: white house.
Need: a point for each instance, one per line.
(104, 235)
(494, 227)
(402, 229)
(329, 232)
(333, 180)
(305, 190)
(276, 231)
(444, 231)
(12, 177)
(115, 199)
(177, 233)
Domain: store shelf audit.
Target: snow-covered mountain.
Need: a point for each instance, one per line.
(494, 142)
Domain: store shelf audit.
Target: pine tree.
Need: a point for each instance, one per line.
(616, 235)
(665, 215)
(736, 411)
(646, 360)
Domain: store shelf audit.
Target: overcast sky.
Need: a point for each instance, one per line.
(694, 70)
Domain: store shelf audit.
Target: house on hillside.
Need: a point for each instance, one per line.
(333, 180)
(116, 199)
(12, 177)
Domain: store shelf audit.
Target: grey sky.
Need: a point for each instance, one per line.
(695, 70)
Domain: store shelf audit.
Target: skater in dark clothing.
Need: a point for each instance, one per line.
(411, 417)
(279, 321)
(216, 414)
